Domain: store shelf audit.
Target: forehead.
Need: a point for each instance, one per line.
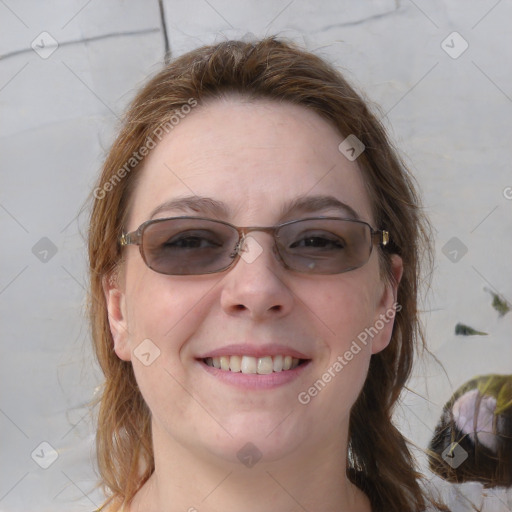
(253, 161)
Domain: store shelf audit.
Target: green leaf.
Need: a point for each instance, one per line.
(499, 304)
(465, 330)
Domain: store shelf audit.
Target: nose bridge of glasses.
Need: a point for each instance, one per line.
(250, 229)
(245, 243)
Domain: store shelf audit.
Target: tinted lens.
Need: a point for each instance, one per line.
(188, 246)
(325, 246)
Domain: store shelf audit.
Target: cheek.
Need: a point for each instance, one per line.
(163, 313)
(165, 309)
(341, 371)
(346, 307)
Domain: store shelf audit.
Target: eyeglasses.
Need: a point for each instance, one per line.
(195, 245)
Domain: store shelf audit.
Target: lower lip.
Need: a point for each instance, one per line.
(254, 380)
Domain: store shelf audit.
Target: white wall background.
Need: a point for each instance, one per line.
(449, 116)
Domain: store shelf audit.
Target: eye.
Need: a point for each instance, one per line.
(193, 240)
(320, 241)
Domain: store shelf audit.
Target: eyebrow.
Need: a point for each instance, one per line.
(210, 206)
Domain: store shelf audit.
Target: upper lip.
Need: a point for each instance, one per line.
(254, 351)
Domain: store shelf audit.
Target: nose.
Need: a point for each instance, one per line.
(257, 285)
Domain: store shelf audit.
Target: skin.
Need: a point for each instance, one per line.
(253, 156)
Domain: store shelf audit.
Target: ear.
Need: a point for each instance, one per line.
(387, 307)
(116, 308)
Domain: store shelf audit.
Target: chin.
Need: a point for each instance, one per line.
(256, 440)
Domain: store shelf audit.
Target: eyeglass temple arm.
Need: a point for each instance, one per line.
(382, 237)
(132, 238)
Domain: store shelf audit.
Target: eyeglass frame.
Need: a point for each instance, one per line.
(135, 238)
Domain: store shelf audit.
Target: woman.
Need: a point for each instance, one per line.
(254, 369)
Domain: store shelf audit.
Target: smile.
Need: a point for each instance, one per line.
(254, 365)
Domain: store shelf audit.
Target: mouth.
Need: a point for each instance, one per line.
(254, 367)
(246, 364)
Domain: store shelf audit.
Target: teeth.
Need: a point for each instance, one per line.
(224, 363)
(235, 363)
(278, 363)
(248, 364)
(265, 365)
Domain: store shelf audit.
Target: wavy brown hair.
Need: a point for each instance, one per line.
(379, 461)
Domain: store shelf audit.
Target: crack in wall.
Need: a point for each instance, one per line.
(167, 56)
(85, 40)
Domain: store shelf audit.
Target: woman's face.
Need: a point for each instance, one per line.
(255, 159)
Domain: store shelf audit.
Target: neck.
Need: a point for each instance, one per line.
(312, 478)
